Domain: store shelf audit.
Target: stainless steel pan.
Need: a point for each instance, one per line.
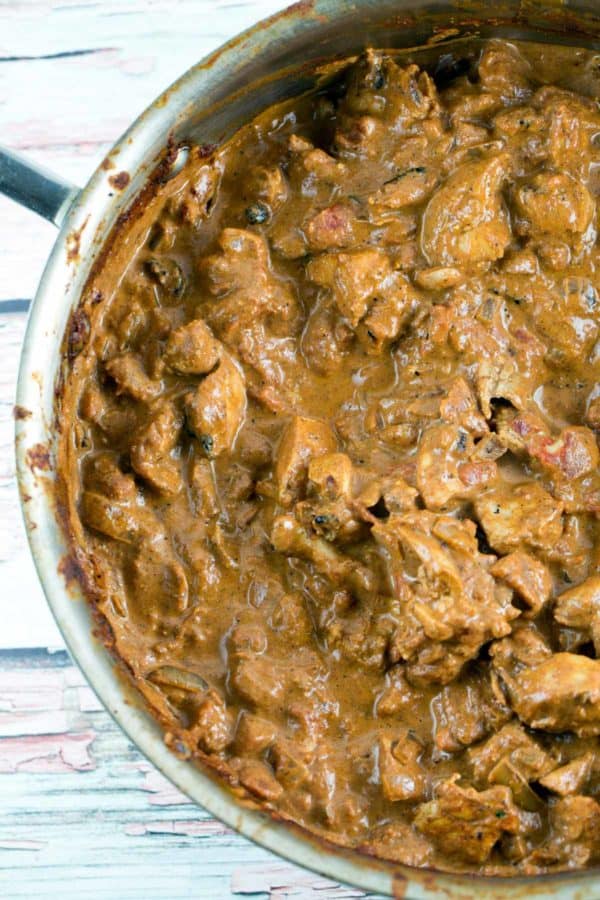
(275, 59)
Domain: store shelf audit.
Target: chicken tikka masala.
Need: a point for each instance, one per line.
(330, 457)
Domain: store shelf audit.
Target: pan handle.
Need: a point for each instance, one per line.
(35, 187)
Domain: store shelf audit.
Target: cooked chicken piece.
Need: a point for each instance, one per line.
(388, 316)
(355, 279)
(398, 842)
(331, 476)
(570, 454)
(465, 221)
(460, 406)
(193, 205)
(313, 161)
(268, 184)
(402, 778)
(503, 70)
(409, 187)
(571, 778)
(523, 649)
(525, 514)
(242, 262)
(302, 440)
(511, 758)
(450, 604)
(152, 448)
(158, 585)
(216, 410)
(290, 538)
(468, 709)
(257, 777)
(575, 832)
(527, 576)
(212, 729)
(120, 521)
(579, 608)
(333, 227)
(383, 98)
(192, 349)
(445, 468)
(466, 823)
(554, 204)
(131, 378)
(103, 474)
(560, 694)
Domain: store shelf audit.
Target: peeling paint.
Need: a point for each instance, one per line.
(66, 752)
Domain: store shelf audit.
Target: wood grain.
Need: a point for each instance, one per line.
(82, 814)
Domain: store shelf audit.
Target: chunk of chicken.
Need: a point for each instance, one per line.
(103, 474)
(570, 454)
(330, 476)
(242, 263)
(467, 710)
(216, 410)
(152, 447)
(355, 279)
(466, 823)
(407, 188)
(450, 604)
(401, 775)
(511, 742)
(192, 349)
(212, 729)
(525, 514)
(579, 608)
(465, 221)
(292, 539)
(302, 440)
(194, 204)
(576, 830)
(571, 778)
(332, 227)
(503, 70)
(562, 693)
(527, 576)
(131, 378)
(445, 469)
(121, 521)
(554, 203)
(381, 97)
(398, 842)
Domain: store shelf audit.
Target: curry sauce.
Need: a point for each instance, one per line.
(330, 458)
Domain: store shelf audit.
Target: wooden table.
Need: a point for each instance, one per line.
(82, 814)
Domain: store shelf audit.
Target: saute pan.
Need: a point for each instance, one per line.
(276, 59)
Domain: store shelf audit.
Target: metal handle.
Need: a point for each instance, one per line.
(35, 187)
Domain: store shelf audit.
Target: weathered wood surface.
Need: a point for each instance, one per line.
(81, 813)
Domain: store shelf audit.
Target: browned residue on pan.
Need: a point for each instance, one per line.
(38, 457)
(120, 180)
(74, 242)
(20, 412)
(70, 569)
